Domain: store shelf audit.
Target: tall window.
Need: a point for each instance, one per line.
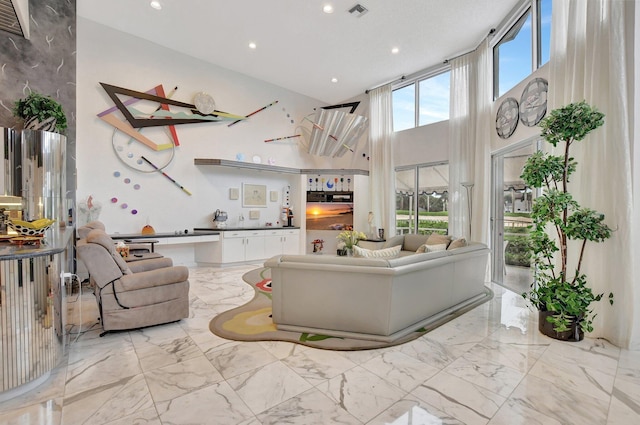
(421, 102)
(523, 47)
(422, 202)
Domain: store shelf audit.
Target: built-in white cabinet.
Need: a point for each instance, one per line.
(281, 241)
(237, 246)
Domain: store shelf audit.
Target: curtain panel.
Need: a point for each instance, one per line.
(589, 62)
(470, 145)
(381, 170)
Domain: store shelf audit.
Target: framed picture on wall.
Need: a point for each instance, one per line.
(254, 195)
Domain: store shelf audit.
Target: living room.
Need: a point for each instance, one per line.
(101, 180)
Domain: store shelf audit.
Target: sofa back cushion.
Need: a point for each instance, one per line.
(392, 252)
(438, 239)
(394, 241)
(412, 242)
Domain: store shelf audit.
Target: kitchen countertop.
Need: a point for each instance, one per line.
(227, 229)
(54, 242)
(194, 232)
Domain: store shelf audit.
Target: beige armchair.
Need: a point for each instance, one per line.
(137, 294)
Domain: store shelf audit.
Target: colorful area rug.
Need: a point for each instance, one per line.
(252, 322)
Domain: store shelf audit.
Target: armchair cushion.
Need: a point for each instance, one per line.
(100, 237)
(152, 278)
(150, 264)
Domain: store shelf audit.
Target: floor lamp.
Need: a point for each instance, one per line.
(469, 188)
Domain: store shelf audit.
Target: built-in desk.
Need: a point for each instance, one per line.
(247, 244)
(32, 310)
(180, 247)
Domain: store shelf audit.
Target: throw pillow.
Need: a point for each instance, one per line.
(457, 243)
(432, 248)
(376, 253)
(438, 239)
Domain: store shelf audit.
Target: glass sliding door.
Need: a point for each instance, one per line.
(405, 201)
(422, 199)
(433, 199)
(511, 218)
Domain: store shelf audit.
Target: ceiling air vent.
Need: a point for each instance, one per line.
(358, 10)
(14, 17)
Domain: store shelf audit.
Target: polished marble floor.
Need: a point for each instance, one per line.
(489, 366)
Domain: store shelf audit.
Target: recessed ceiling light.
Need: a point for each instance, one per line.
(334, 80)
(252, 45)
(156, 5)
(395, 50)
(327, 8)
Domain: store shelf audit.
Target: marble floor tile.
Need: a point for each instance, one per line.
(577, 376)
(154, 354)
(361, 393)
(172, 381)
(46, 413)
(517, 356)
(101, 405)
(268, 386)
(316, 365)
(100, 368)
(216, 404)
(560, 402)
(241, 358)
(625, 403)
(146, 417)
(469, 403)
(310, 407)
(403, 371)
(463, 372)
(488, 374)
(282, 349)
(412, 411)
(513, 412)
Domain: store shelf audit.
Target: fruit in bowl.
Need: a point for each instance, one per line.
(31, 228)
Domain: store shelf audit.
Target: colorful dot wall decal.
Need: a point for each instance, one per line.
(114, 200)
(116, 174)
(124, 206)
(127, 180)
(136, 186)
(134, 212)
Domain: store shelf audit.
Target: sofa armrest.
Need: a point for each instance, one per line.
(152, 278)
(150, 264)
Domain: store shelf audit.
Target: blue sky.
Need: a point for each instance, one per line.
(515, 66)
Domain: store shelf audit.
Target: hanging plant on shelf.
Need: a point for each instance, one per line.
(562, 297)
(40, 113)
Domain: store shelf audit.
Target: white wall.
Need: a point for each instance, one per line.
(109, 56)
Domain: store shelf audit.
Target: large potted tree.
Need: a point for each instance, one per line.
(560, 294)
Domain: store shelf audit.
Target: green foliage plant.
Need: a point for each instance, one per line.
(42, 107)
(556, 213)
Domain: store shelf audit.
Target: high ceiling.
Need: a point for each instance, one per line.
(301, 48)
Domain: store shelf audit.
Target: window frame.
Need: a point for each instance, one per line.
(415, 81)
(508, 29)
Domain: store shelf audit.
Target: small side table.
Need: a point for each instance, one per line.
(372, 243)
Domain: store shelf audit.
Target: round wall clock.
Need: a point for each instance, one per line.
(507, 118)
(533, 102)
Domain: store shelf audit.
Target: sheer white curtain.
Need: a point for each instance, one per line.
(588, 62)
(470, 144)
(381, 171)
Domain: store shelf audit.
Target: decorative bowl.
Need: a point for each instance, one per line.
(31, 228)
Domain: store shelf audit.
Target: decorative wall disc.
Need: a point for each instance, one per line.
(507, 118)
(533, 102)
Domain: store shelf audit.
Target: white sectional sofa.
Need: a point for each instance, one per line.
(373, 298)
